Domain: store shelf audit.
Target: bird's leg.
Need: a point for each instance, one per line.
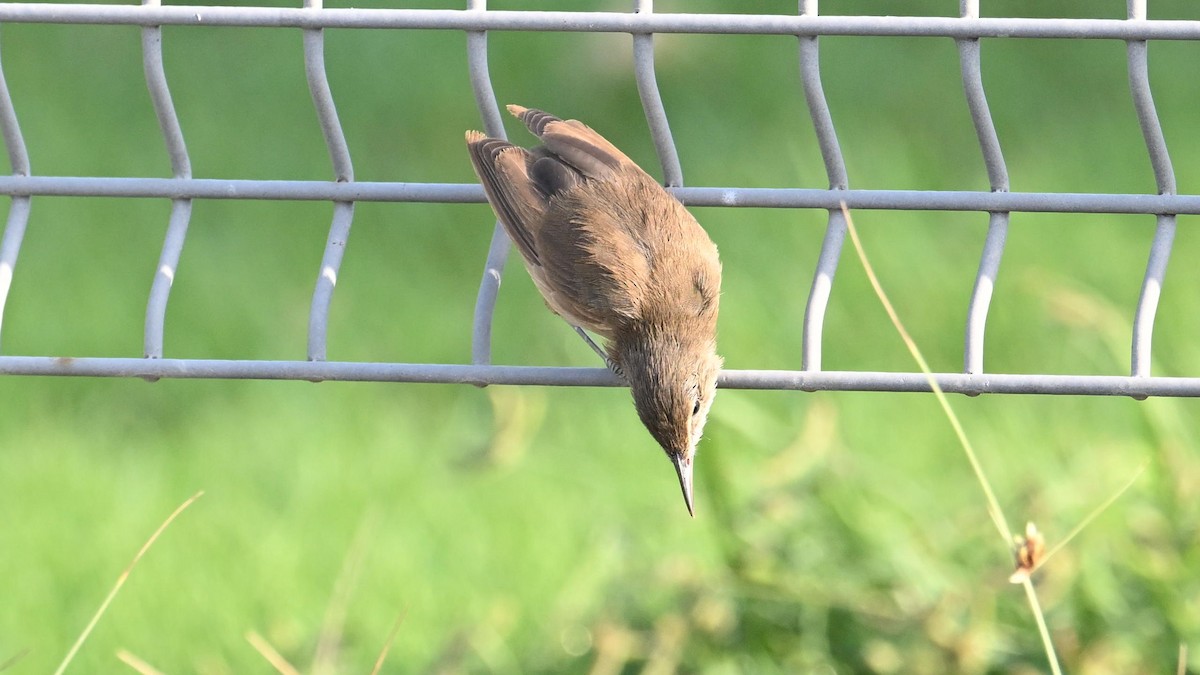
(596, 348)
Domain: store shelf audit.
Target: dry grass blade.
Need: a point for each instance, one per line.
(14, 659)
(1040, 617)
(387, 645)
(994, 509)
(137, 664)
(121, 582)
(268, 652)
(993, 504)
(1181, 665)
(1092, 516)
(330, 637)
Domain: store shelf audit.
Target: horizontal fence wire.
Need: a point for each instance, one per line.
(600, 22)
(791, 380)
(642, 23)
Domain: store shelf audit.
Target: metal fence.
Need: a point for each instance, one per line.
(966, 30)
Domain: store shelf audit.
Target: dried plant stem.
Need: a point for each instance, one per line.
(387, 646)
(143, 668)
(1092, 516)
(993, 504)
(332, 627)
(14, 659)
(269, 653)
(121, 582)
(994, 509)
(1038, 616)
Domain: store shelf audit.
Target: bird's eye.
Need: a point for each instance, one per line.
(696, 408)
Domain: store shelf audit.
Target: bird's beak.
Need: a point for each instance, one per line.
(683, 467)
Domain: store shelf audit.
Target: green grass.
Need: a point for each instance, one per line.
(541, 530)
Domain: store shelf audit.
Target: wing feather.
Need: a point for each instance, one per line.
(503, 170)
(574, 143)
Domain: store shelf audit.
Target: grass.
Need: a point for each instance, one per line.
(124, 576)
(539, 530)
(1028, 559)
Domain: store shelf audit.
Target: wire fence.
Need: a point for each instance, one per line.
(966, 29)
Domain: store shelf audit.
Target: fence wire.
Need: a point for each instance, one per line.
(967, 29)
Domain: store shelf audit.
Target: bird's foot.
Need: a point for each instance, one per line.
(612, 365)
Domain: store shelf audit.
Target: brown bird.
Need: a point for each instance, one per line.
(614, 253)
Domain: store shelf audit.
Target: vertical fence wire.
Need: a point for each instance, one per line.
(652, 103)
(343, 169)
(1164, 179)
(18, 210)
(993, 159)
(835, 167)
(181, 168)
(493, 267)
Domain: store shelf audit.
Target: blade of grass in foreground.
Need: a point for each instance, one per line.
(994, 509)
(14, 659)
(272, 655)
(143, 668)
(387, 645)
(121, 582)
(1093, 515)
(332, 630)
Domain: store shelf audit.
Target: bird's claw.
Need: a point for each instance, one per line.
(612, 365)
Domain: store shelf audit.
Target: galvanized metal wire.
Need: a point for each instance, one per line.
(967, 29)
(181, 169)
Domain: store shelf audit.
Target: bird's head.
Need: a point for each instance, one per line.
(673, 383)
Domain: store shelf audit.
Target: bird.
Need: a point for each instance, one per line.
(612, 252)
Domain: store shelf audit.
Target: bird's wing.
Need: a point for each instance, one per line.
(503, 169)
(574, 143)
(598, 266)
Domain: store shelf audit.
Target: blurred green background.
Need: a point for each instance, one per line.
(539, 530)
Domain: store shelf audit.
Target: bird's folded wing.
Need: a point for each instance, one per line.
(586, 151)
(597, 267)
(503, 169)
(573, 142)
